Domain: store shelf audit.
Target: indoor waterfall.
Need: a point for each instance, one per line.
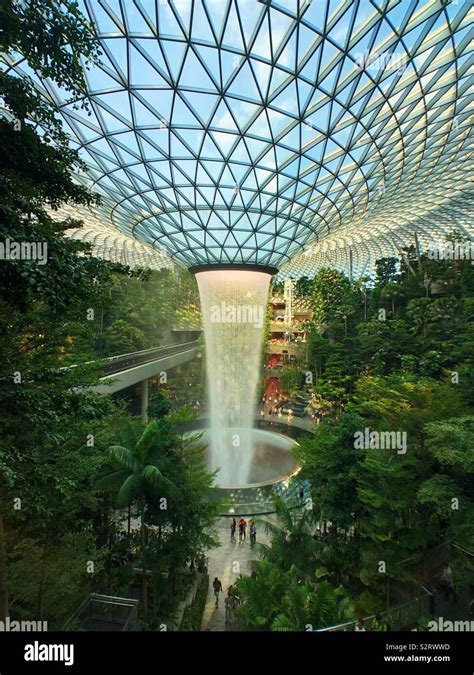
(234, 306)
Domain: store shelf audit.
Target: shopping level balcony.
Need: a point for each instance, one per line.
(281, 327)
(283, 347)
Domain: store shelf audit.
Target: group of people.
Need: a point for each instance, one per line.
(243, 530)
(232, 600)
(378, 624)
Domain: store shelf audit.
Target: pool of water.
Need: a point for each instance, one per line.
(272, 460)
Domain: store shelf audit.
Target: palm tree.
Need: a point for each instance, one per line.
(315, 604)
(292, 541)
(142, 462)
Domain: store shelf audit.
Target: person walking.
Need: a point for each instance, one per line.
(448, 581)
(301, 494)
(253, 533)
(233, 527)
(242, 529)
(217, 586)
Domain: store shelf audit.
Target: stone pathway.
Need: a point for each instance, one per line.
(227, 562)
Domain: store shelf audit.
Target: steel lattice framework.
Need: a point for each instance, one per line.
(108, 243)
(277, 133)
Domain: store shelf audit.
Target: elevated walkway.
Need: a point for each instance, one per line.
(127, 370)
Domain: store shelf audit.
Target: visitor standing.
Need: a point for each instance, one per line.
(360, 626)
(253, 533)
(230, 603)
(379, 623)
(217, 586)
(227, 606)
(233, 527)
(242, 529)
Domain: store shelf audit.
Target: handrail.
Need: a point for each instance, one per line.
(106, 360)
(106, 598)
(114, 364)
(462, 549)
(103, 600)
(398, 608)
(292, 502)
(150, 349)
(387, 612)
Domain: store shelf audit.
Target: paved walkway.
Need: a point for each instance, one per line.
(227, 562)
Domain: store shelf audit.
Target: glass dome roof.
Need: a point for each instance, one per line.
(276, 133)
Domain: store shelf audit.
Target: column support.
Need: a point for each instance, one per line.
(144, 400)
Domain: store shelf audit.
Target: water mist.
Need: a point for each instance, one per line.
(233, 306)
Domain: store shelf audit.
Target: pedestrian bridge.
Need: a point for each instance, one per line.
(127, 370)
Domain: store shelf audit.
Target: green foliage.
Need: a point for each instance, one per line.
(53, 579)
(193, 613)
(161, 471)
(292, 543)
(138, 310)
(50, 418)
(159, 406)
(332, 299)
(53, 36)
(288, 591)
(332, 465)
(140, 466)
(408, 368)
(291, 378)
(303, 287)
(386, 270)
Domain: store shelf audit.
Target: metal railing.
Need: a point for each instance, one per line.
(397, 618)
(116, 364)
(262, 508)
(107, 610)
(407, 614)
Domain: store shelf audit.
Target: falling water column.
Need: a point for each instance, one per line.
(233, 305)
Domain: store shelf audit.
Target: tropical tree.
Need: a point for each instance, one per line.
(313, 606)
(386, 270)
(332, 465)
(292, 542)
(143, 465)
(158, 405)
(303, 287)
(40, 304)
(332, 299)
